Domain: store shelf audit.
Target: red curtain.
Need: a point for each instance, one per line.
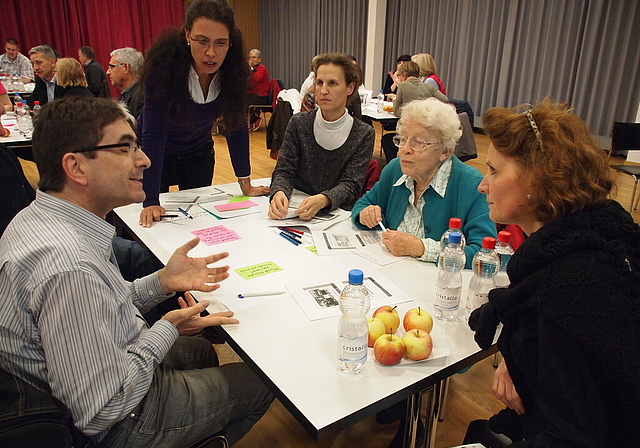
(103, 25)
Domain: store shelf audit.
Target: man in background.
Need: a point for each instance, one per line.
(96, 78)
(14, 62)
(43, 58)
(258, 92)
(124, 72)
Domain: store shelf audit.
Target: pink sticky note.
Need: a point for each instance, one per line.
(216, 235)
(235, 206)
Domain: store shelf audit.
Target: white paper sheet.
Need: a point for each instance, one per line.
(319, 298)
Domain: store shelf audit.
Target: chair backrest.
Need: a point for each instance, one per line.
(32, 418)
(625, 137)
(274, 90)
(15, 191)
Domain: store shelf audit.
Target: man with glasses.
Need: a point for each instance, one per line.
(259, 86)
(72, 325)
(124, 72)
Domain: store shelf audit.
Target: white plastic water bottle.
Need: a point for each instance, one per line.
(381, 102)
(455, 225)
(485, 267)
(504, 251)
(353, 330)
(36, 110)
(449, 282)
(17, 101)
(23, 117)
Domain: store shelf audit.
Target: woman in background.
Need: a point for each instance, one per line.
(428, 71)
(70, 76)
(325, 152)
(192, 76)
(571, 335)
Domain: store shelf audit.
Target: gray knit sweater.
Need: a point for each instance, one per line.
(305, 165)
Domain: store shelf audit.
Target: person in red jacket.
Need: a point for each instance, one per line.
(258, 92)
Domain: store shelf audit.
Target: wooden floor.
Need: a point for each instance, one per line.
(470, 395)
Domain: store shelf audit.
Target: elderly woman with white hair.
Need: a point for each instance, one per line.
(425, 186)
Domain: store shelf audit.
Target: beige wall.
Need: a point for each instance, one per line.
(246, 12)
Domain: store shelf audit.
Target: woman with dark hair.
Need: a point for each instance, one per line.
(325, 152)
(192, 76)
(571, 335)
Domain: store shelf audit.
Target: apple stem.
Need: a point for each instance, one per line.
(393, 308)
(419, 311)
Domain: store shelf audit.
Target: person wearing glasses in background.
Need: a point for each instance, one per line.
(426, 185)
(192, 76)
(124, 72)
(259, 87)
(72, 326)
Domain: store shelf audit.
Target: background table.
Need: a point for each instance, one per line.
(296, 357)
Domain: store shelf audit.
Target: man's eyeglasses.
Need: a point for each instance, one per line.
(219, 45)
(112, 66)
(131, 147)
(414, 143)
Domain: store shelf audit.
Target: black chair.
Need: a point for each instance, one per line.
(626, 137)
(275, 86)
(478, 431)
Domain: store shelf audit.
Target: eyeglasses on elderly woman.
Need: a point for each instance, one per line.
(415, 144)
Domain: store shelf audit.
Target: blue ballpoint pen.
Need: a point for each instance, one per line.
(184, 212)
(288, 238)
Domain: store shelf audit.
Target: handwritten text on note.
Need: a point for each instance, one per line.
(216, 235)
(258, 270)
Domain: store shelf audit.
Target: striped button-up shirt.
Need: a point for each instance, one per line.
(69, 323)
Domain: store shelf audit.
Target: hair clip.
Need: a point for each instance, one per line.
(534, 127)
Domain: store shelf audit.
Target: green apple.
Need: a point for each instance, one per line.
(388, 349)
(389, 316)
(418, 344)
(376, 329)
(417, 318)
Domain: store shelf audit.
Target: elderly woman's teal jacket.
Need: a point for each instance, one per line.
(461, 200)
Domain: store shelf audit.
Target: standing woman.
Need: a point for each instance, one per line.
(571, 335)
(191, 77)
(325, 152)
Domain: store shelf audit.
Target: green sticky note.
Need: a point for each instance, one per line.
(238, 199)
(258, 270)
(312, 249)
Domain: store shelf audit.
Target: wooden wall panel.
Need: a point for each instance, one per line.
(246, 12)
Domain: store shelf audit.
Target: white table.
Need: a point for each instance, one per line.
(296, 357)
(20, 144)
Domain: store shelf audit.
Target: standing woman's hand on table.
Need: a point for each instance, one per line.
(250, 190)
(150, 214)
(279, 206)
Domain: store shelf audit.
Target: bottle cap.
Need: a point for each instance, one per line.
(488, 242)
(455, 223)
(356, 276)
(504, 236)
(36, 103)
(454, 237)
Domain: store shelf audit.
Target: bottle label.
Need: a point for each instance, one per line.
(353, 350)
(477, 300)
(447, 298)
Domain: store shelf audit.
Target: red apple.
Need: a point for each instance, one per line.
(417, 318)
(388, 349)
(418, 344)
(389, 316)
(376, 329)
